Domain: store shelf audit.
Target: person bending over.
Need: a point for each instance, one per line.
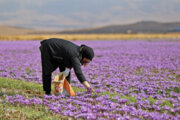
(65, 55)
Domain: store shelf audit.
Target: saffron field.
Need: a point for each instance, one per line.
(133, 79)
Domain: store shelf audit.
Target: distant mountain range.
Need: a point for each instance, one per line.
(139, 27)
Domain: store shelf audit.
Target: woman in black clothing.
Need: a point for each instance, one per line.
(63, 54)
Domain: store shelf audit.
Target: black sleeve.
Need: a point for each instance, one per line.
(77, 69)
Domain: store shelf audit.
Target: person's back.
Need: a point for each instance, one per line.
(62, 51)
(60, 47)
(55, 43)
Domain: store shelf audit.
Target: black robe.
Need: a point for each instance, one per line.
(61, 53)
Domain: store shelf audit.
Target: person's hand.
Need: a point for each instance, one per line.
(62, 76)
(90, 90)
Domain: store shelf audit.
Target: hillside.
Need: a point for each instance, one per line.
(139, 27)
(8, 30)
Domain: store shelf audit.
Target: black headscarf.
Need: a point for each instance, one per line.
(86, 52)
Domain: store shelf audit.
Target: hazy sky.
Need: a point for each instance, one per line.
(68, 14)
